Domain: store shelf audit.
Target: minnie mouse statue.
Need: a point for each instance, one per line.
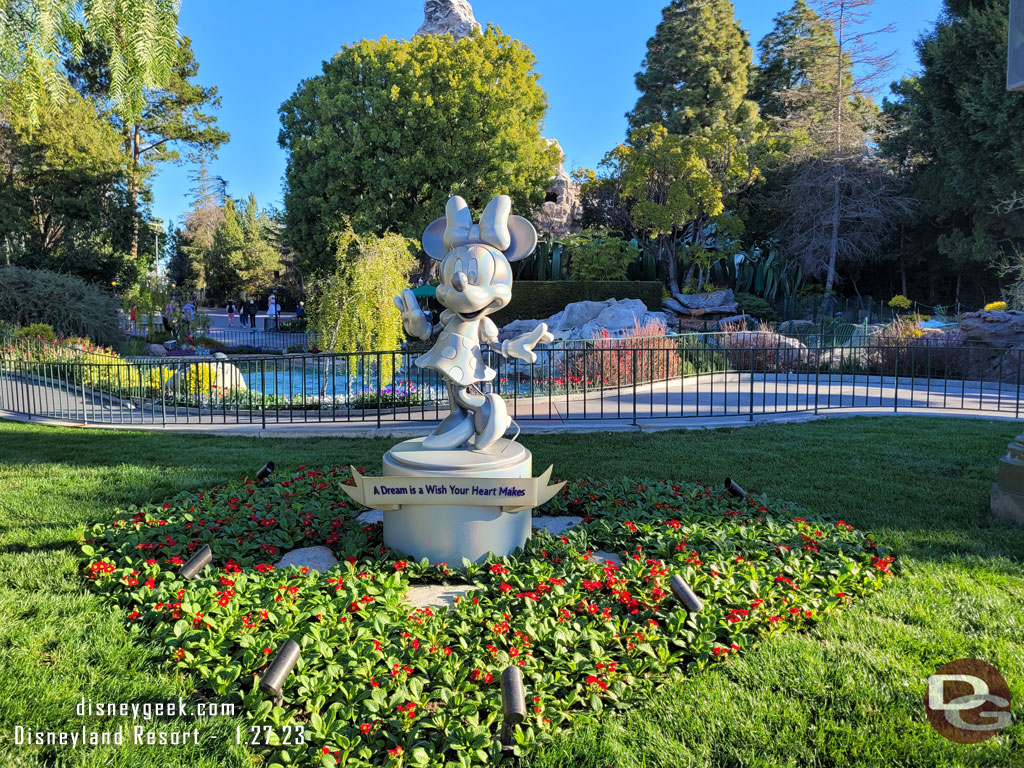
(476, 280)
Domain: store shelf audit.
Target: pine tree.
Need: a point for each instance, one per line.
(961, 136)
(172, 117)
(695, 74)
(788, 56)
(838, 199)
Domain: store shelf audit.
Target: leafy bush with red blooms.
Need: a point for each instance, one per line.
(381, 683)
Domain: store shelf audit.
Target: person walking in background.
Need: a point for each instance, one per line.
(131, 318)
(251, 310)
(231, 314)
(272, 309)
(168, 314)
(188, 312)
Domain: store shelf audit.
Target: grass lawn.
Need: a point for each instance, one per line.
(849, 693)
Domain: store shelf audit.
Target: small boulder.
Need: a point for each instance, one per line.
(315, 558)
(157, 350)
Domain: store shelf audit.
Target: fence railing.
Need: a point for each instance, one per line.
(702, 375)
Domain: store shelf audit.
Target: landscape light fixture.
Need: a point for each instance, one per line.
(733, 489)
(264, 473)
(513, 704)
(196, 563)
(685, 595)
(272, 680)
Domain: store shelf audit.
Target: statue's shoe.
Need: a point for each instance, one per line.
(454, 437)
(496, 422)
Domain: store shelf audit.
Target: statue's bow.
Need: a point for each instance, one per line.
(492, 229)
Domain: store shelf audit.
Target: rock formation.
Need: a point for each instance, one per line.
(590, 319)
(561, 212)
(448, 17)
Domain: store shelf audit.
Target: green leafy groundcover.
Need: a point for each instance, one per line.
(380, 683)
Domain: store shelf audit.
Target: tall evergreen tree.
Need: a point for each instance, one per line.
(695, 74)
(788, 57)
(173, 117)
(962, 130)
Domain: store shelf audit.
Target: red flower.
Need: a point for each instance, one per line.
(365, 727)
(488, 678)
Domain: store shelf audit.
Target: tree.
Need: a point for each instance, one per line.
(64, 204)
(392, 129)
(352, 308)
(694, 77)
(960, 139)
(172, 116)
(794, 51)
(838, 199)
(139, 37)
(678, 193)
(242, 257)
(209, 197)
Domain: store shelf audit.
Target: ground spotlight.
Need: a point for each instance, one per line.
(733, 489)
(265, 472)
(685, 595)
(196, 563)
(513, 704)
(272, 680)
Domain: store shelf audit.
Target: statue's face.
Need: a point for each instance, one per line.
(475, 280)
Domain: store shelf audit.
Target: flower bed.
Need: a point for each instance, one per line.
(381, 683)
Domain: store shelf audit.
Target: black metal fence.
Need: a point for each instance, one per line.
(746, 374)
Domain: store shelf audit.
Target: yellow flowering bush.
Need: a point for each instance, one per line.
(996, 306)
(900, 302)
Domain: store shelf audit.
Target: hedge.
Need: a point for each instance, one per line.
(539, 299)
(68, 304)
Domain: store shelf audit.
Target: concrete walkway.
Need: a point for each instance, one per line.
(699, 402)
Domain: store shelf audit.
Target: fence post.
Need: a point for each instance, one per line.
(634, 387)
(263, 392)
(751, 375)
(380, 375)
(896, 380)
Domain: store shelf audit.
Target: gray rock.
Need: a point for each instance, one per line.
(219, 356)
(713, 300)
(436, 595)
(371, 516)
(448, 17)
(557, 525)
(606, 557)
(994, 329)
(734, 320)
(578, 314)
(562, 210)
(517, 328)
(622, 315)
(315, 558)
(157, 350)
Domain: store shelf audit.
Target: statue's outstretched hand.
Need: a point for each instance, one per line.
(413, 320)
(521, 347)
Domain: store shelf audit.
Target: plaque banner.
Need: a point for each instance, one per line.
(511, 494)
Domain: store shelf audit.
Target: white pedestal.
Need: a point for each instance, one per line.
(446, 534)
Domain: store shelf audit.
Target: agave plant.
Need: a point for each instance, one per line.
(762, 271)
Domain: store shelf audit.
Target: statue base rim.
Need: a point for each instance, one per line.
(449, 533)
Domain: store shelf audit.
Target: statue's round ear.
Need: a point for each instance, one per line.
(524, 238)
(433, 239)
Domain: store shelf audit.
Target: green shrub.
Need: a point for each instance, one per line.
(158, 337)
(36, 331)
(68, 304)
(756, 307)
(537, 299)
(597, 255)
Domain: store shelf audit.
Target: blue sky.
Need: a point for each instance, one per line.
(587, 52)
